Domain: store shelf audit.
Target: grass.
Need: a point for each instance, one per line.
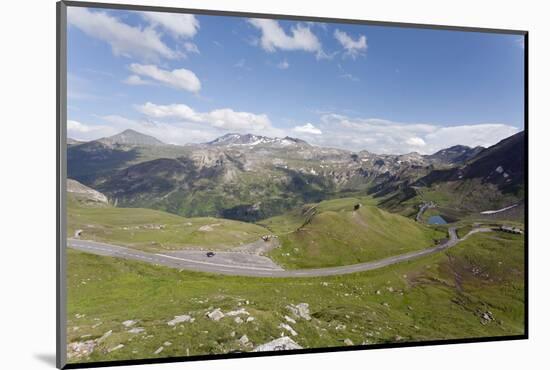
(332, 233)
(156, 230)
(441, 296)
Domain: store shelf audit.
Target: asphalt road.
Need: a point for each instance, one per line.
(248, 266)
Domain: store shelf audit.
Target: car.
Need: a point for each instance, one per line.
(210, 254)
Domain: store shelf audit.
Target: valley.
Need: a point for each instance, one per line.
(348, 235)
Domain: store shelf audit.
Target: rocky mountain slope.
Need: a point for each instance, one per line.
(251, 177)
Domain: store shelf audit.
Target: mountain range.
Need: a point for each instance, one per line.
(251, 177)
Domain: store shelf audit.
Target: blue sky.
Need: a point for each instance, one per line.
(185, 78)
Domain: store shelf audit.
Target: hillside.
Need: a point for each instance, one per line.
(492, 179)
(474, 290)
(155, 230)
(82, 194)
(334, 233)
(251, 177)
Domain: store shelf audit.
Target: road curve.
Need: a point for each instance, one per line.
(104, 249)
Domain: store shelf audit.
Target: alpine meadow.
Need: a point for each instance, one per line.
(247, 184)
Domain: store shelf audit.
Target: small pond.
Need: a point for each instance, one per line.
(436, 220)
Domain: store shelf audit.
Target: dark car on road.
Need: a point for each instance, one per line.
(210, 254)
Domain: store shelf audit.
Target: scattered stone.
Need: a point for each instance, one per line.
(96, 325)
(324, 283)
(238, 320)
(378, 292)
(105, 336)
(486, 317)
(288, 328)
(180, 319)
(115, 348)
(159, 350)
(80, 349)
(240, 311)
(398, 338)
(340, 327)
(79, 316)
(136, 330)
(250, 319)
(290, 319)
(215, 315)
(390, 289)
(129, 323)
(279, 344)
(348, 342)
(232, 334)
(167, 344)
(301, 310)
(244, 340)
(85, 336)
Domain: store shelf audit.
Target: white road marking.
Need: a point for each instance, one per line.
(219, 264)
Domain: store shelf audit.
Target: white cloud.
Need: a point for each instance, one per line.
(308, 128)
(191, 47)
(178, 25)
(82, 131)
(226, 118)
(125, 40)
(182, 79)
(136, 80)
(353, 48)
(388, 137)
(274, 37)
(283, 65)
(415, 141)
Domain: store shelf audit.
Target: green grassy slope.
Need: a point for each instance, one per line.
(156, 230)
(331, 233)
(442, 296)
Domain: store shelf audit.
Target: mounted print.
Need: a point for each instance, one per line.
(235, 184)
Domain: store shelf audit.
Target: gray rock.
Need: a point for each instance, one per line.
(136, 330)
(288, 328)
(240, 311)
(279, 344)
(301, 310)
(105, 336)
(179, 319)
(215, 315)
(80, 349)
(129, 323)
(115, 348)
(348, 342)
(290, 319)
(159, 350)
(244, 340)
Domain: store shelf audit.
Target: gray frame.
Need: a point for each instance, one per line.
(61, 166)
(61, 217)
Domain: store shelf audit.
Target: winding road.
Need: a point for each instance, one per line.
(242, 264)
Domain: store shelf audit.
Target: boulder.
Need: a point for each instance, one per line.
(279, 344)
(179, 319)
(215, 315)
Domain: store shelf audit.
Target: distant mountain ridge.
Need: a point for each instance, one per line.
(455, 154)
(234, 139)
(130, 137)
(250, 177)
